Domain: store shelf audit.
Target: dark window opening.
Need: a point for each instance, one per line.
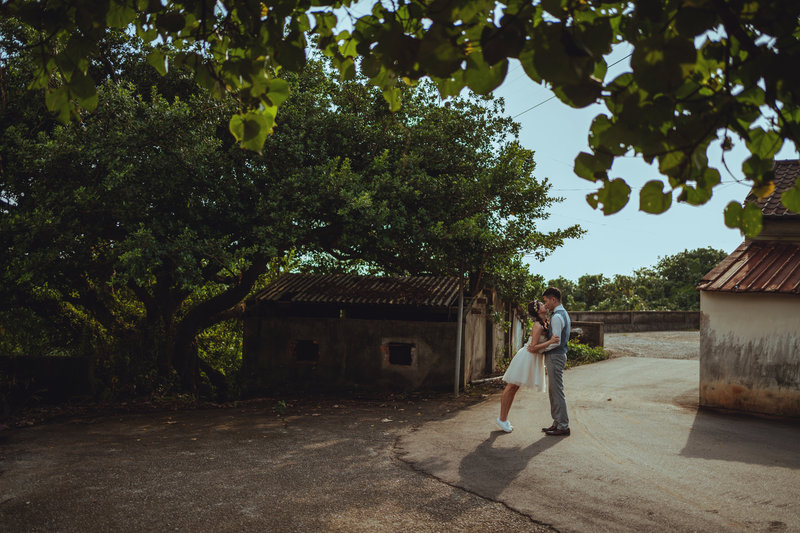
(306, 351)
(400, 353)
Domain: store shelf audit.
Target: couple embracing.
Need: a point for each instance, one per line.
(547, 349)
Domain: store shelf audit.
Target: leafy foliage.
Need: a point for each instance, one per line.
(141, 228)
(701, 72)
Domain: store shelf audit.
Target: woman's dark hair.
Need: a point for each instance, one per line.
(533, 310)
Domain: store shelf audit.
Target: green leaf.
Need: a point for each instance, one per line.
(439, 56)
(791, 198)
(251, 129)
(608, 137)
(500, 43)
(694, 195)
(291, 54)
(82, 86)
(661, 62)
(158, 60)
(170, 22)
(671, 163)
(325, 22)
(755, 168)
(452, 85)
(579, 95)
(481, 77)
(592, 166)
(526, 59)
(733, 215)
(392, 97)
(751, 220)
(57, 101)
(764, 144)
(119, 15)
(278, 91)
(614, 195)
(653, 199)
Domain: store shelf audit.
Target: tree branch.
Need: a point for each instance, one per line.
(205, 313)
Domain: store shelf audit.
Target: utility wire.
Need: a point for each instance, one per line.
(548, 99)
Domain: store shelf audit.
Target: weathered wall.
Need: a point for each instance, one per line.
(475, 341)
(591, 333)
(500, 340)
(518, 337)
(350, 352)
(628, 321)
(750, 352)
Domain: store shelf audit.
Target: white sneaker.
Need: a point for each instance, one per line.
(505, 425)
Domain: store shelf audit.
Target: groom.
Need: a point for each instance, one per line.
(555, 361)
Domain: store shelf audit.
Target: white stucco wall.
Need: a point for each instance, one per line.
(750, 352)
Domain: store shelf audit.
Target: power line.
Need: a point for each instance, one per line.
(548, 99)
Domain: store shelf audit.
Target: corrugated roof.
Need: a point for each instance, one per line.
(429, 291)
(757, 266)
(786, 173)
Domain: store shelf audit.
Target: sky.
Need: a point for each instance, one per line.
(630, 239)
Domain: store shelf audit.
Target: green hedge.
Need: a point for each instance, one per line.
(581, 354)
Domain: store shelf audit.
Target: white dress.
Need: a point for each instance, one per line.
(527, 369)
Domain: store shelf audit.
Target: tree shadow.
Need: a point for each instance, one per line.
(489, 471)
(744, 438)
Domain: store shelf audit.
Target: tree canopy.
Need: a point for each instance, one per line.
(134, 228)
(703, 72)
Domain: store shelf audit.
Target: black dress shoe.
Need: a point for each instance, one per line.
(558, 432)
(551, 428)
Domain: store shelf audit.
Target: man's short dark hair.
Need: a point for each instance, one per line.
(553, 292)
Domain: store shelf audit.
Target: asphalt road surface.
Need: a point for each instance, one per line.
(641, 456)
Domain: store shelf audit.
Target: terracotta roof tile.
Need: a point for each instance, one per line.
(786, 173)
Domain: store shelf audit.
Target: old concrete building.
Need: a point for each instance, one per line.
(332, 331)
(750, 315)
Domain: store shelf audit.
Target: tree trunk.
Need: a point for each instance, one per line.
(183, 344)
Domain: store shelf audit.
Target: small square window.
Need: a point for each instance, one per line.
(400, 353)
(305, 351)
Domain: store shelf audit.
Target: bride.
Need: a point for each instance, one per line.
(527, 366)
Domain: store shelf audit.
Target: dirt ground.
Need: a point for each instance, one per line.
(316, 465)
(277, 464)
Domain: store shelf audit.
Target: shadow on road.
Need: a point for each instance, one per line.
(744, 439)
(489, 470)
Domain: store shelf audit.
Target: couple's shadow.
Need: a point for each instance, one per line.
(488, 470)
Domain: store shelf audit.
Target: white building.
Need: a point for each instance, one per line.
(750, 315)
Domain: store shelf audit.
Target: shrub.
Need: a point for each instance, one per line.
(581, 354)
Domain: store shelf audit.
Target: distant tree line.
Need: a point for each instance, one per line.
(669, 285)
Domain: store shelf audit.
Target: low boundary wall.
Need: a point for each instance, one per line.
(30, 380)
(591, 333)
(629, 321)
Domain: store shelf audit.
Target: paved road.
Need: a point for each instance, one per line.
(641, 456)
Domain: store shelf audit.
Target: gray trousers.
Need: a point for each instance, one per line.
(555, 364)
